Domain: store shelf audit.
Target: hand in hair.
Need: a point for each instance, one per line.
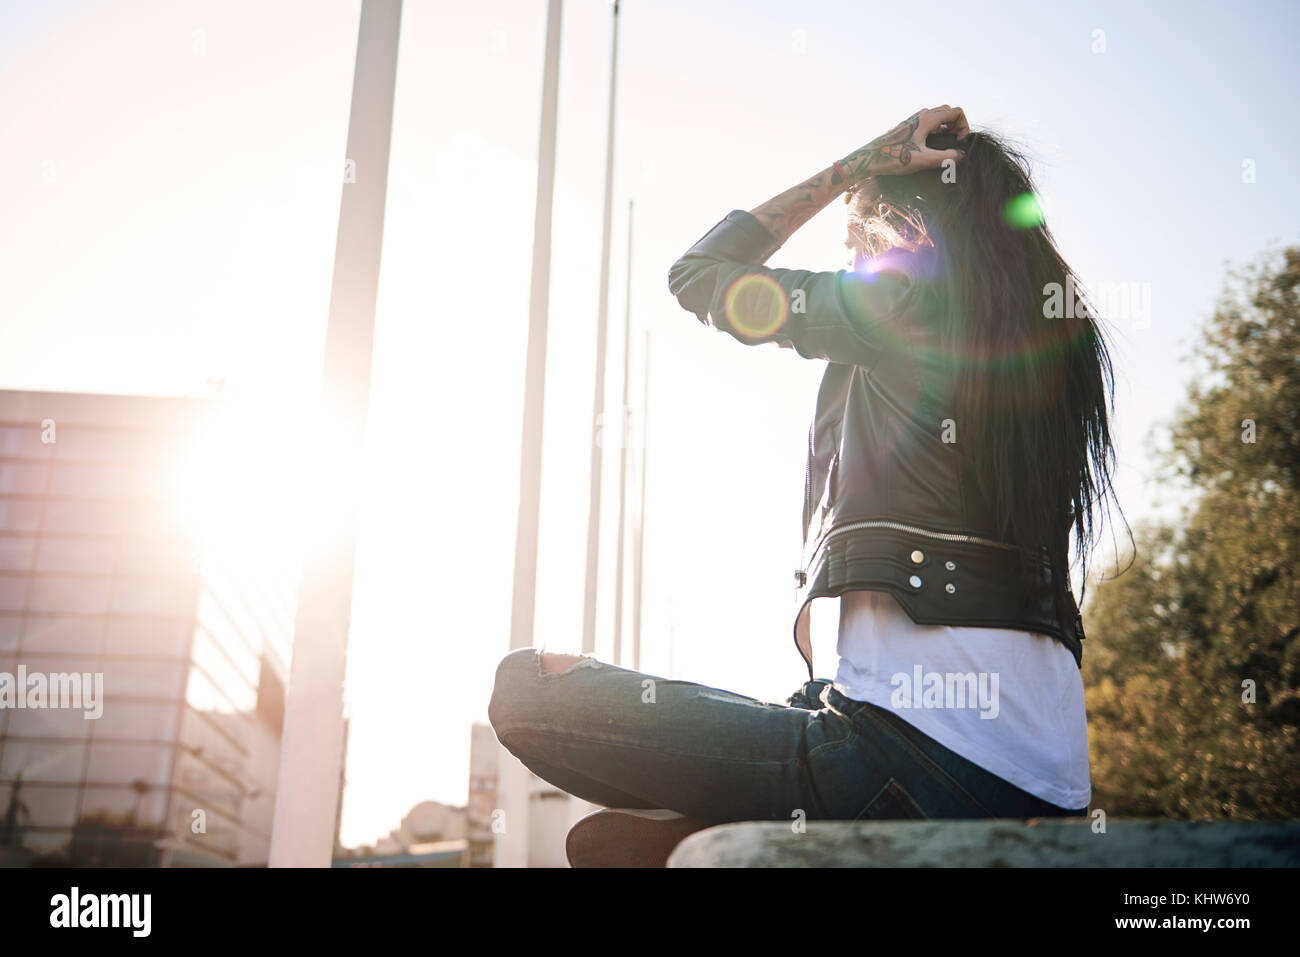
(903, 149)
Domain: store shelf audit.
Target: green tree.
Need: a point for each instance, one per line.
(1207, 613)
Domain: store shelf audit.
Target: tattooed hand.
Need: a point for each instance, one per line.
(903, 149)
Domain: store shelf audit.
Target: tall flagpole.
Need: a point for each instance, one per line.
(311, 753)
(622, 464)
(638, 575)
(511, 848)
(598, 401)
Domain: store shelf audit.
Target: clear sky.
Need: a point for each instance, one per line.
(169, 193)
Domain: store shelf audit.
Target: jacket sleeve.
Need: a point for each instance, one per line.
(837, 316)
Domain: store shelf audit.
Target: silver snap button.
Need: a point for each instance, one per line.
(914, 581)
(918, 556)
(951, 566)
(950, 588)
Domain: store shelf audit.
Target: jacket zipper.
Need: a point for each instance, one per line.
(900, 527)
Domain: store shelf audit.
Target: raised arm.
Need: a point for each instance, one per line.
(901, 150)
(836, 316)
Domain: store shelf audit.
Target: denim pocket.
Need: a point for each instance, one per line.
(892, 802)
(967, 804)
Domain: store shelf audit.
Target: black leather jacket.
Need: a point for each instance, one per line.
(889, 505)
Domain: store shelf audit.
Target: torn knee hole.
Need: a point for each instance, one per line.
(558, 664)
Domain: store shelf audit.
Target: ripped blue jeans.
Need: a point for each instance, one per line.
(620, 738)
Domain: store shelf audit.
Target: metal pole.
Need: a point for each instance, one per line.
(638, 575)
(303, 828)
(511, 849)
(598, 401)
(622, 465)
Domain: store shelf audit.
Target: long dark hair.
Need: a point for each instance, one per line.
(1032, 387)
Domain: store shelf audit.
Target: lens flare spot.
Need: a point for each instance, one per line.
(1023, 212)
(755, 305)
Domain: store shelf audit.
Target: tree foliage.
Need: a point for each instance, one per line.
(1208, 610)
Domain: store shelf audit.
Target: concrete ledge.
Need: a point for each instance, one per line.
(1044, 842)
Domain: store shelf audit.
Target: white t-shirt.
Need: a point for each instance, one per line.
(1008, 701)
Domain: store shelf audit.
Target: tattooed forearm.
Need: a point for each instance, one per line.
(785, 213)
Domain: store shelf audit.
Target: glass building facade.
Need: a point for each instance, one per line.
(99, 574)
